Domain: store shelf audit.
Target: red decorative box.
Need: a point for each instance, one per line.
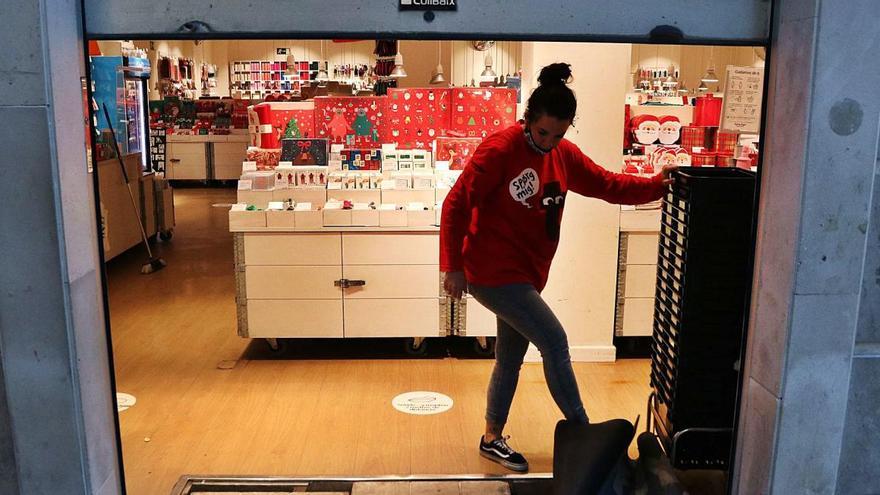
(455, 150)
(697, 137)
(417, 116)
(703, 159)
(356, 121)
(266, 159)
(479, 112)
(270, 122)
(725, 142)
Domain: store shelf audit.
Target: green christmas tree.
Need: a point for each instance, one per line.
(292, 130)
(361, 125)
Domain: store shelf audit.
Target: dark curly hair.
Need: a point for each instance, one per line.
(552, 97)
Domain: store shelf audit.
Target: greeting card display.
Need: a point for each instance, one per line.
(302, 151)
(455, 151)
(354, 121)
(362, 159)
(271, 122)
(479, 112)
(416, 116)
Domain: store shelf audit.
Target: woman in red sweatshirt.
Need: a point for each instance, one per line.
(499, 232)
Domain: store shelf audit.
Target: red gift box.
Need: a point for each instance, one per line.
(703, 159)
(479, 112)
(707, 111)
(725, 142)
(266, 159)
(455, 150)
(270, 122)
(417, 116)
(356, 121)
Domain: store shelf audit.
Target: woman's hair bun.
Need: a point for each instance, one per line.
(555, 74)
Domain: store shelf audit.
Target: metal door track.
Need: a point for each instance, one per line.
(527, 484)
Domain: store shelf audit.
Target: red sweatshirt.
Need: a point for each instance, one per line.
(501, 219)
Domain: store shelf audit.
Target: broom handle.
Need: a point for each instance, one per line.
(127, 182)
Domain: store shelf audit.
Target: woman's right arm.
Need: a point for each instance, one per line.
(479, 178)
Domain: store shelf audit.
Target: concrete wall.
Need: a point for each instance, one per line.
(57, 394)
(809, 419)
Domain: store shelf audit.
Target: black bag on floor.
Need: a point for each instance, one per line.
(586, 456)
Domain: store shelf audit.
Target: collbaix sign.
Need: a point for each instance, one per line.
(428, 4)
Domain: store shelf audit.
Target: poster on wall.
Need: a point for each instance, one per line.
(417, 116)
(480, 112)
(743, 94)
(354, 121)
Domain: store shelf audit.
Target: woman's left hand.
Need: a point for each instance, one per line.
(667, 173)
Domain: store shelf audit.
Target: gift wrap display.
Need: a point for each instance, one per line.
(455, 152)
(272, 122)
(417, 116)
(351, 120)
(302, 151)
(479, 112)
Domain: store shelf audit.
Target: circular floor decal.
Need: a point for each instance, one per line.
(422, 403)
(124, 401)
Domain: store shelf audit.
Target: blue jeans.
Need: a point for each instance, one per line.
(524, 317)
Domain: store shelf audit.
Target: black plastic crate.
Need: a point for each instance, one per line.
(703, 275)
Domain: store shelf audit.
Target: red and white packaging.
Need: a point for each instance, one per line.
(269, 122)
(479, 112)
(415, 117)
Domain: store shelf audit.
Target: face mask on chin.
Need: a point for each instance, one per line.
(535, 147)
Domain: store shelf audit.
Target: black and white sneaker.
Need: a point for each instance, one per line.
(498, 451)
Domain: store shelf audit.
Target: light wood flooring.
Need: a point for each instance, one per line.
(299, 416)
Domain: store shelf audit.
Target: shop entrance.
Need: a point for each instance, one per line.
(590, 351)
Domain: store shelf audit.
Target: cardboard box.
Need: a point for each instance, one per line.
(337, 218)
(420, 218)
(356, 196)
(240, 217)
(365, 218)
(260, 199)
(281, 219)
(423, 181)
(308, 219)
(408, 196)
(392, 218)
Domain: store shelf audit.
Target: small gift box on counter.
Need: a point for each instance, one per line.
(305, 151)
(362, 159)
(240, 216)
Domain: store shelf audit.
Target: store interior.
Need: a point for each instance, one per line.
(272, 177)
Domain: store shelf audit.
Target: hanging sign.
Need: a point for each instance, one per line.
(428, 5)
(422, 403)
(743, 93)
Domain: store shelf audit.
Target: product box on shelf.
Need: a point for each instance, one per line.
(311, 176)
(261, 180)
(404, 160)
(453, 153)
(422, 160)
(302, 151)
(402, 197)
(423, 180)
(725, 143)
(272, 121)
(362, 159)
(419, 215)
(479, 112)
(241, 217)
(281, 219)
(335, 215)
(264, 158)
(355, 121)
(389, 161)
(392, 216)
(362, 215)
(416, 116)
(698, 137)
(285, 175)
(307, 218)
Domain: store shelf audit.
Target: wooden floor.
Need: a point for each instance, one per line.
(299, 416)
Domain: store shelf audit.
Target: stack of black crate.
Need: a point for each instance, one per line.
(703, 278)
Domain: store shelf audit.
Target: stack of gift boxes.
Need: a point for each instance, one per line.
(365, 161)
